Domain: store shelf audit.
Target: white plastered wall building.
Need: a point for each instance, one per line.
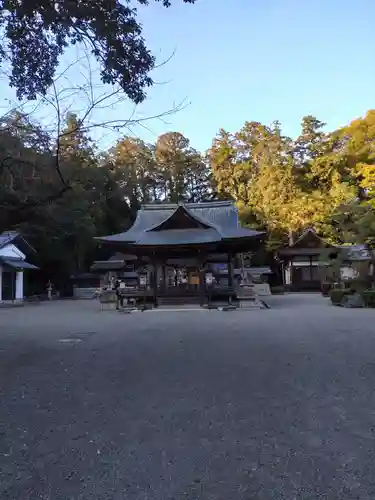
(12, 266)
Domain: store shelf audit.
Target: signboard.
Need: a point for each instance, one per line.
(193, 279)
(220, 267)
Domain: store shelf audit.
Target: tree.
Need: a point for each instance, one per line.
(277, 183)
(351, 161)
(310, 143)
(38, 32)
(169, 170)
(27, 168)
(357, 152)
(353, 223)
(134, 167)
(241, 163)
(235, 159)
(182, 173)
(59, 102)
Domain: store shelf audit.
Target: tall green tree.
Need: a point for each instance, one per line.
(134, 167)
(183, 174)
(276, 182)
(235, 160)
(354, 157)
(27, 168)
(36, 33)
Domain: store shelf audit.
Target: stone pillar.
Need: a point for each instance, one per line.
(19, 285)
(287, 272)
(1, 284)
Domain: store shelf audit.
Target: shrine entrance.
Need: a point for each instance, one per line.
(179, 280)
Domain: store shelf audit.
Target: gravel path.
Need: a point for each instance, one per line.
(258, 404)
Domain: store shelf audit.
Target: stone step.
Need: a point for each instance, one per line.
(164, 301)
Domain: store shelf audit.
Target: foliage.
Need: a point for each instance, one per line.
(275, 181)
(369, 298)
(183, 175)
(105, 190)
(36, 33)
(321, 180)
(337, 296)
(169, 171)
(61, 231)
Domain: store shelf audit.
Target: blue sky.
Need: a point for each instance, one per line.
(261, 60)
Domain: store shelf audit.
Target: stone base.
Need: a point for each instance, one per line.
(227, 308)
(108, 306)
(12, 303)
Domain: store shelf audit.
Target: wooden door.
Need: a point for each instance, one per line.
(9, 285)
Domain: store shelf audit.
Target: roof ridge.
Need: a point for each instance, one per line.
(200, 204)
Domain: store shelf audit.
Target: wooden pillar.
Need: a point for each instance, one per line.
(202, 280)
(164, 277)
(202, 284)
(230, 277)
(230, 270)
(154, 281)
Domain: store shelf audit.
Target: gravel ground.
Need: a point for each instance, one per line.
(257, 404)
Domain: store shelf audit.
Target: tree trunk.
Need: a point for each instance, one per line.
(291, 238)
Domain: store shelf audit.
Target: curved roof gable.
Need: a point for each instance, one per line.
(217, 213)
(182, 218)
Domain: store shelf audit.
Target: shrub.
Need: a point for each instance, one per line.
(277, 290)
(369, 298)
(359, 285)
(337, 295)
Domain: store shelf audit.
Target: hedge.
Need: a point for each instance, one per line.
(369, 298)
(337, 295)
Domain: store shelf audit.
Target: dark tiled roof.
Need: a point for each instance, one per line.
(348, 252)
(302, 251)
(220, 213)
(179, 237)
(355, 252)
(16, 263)
(7, 237)
(122, 256)
(107, 265)
(221, 217)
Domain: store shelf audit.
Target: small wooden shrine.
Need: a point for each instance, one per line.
(303, 263)
(180, 246)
